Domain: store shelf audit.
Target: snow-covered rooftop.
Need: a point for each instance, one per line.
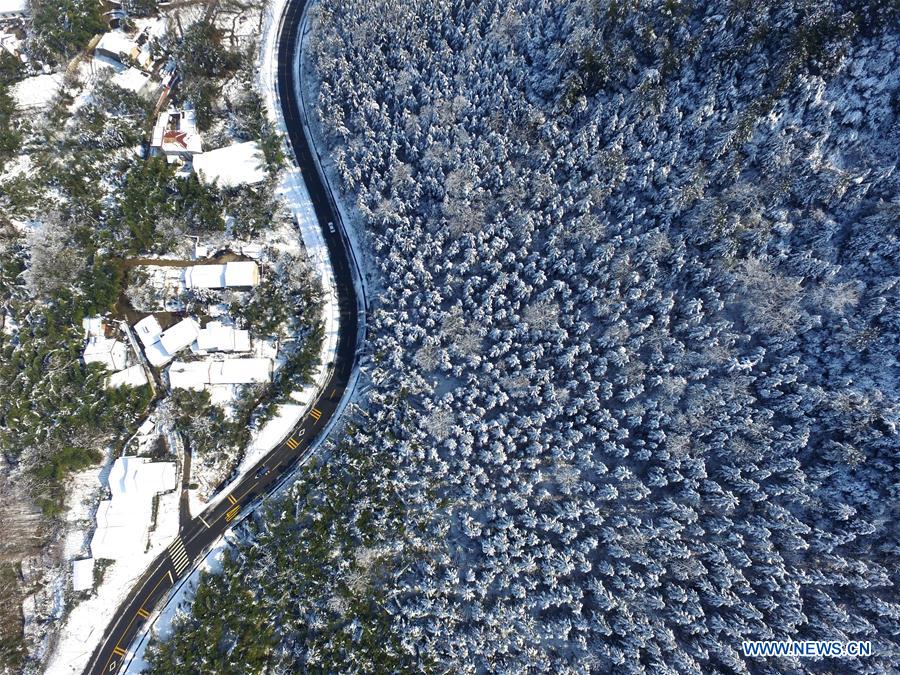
(83, 574)
(230, 275)
(244, 273)
(164, 345)
(217, 337)
(111, 353)
(232, 165)
(130, 377)
(204, 276)
(157, 355)
(123, 521)
(13, 7)
(93, 326)
(252, 250)
(189, 375)
(116, 43)
(198, 374)
(11, 43)
(132, 79)
(179, 336)
(148, 330)
(175, 133)
(240, 371)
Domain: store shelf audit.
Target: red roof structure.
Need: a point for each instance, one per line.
(177, 137)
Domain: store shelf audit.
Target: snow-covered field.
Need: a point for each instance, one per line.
(37, 91)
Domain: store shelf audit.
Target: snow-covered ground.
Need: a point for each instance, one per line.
(37, 91)
(236, 164)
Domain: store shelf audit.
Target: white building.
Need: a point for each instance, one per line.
(83, 574)
(115, 45)
(10, 42)
(171, 341)
(175, 135)
(148, 330)
(241, 274)
(123, 521)
(93, 326)
(189, 375)
(13, 9)
(199, 374)
(240, 371)
(216, 337)
(132, 79)
(111, 353)
(238, 164)
(130, 377)
(179, 336)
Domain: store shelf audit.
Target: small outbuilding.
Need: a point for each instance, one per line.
(132, 79)
(148, 330)
(93, 326)
(83, 574)
(117, 46)
(111, 353)
(130, 377)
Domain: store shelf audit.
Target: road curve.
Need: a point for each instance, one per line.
(197, 534)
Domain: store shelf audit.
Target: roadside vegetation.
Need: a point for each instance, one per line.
(312, 572)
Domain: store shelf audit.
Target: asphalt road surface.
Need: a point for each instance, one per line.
(196, 534)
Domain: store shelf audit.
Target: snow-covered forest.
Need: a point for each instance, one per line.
(634, 378)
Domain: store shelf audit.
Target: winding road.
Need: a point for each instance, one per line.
(197, 534)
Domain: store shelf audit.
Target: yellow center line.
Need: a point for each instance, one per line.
(128, 627)
(230, 513)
